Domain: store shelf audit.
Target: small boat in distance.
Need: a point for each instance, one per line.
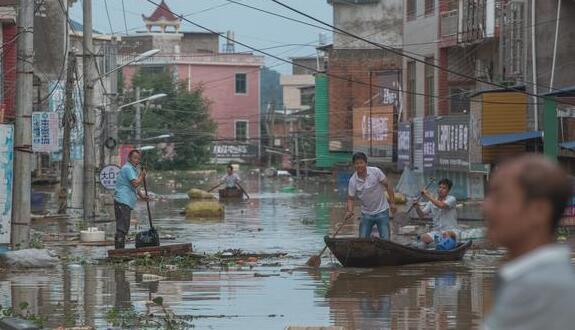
(230, 193)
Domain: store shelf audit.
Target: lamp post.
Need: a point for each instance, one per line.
(139, 112)
(89, 175)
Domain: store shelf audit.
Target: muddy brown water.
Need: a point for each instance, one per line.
(453, 295)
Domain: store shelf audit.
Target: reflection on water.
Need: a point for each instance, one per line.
(434, 296)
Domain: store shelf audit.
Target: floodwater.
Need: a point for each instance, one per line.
(453, 295)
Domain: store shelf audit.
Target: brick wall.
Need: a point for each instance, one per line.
(344, 95)
(9, 69)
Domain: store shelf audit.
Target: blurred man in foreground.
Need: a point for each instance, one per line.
(535, 288)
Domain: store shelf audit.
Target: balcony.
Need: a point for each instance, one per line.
(449, 28)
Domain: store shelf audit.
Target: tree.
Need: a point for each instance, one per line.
(183, 113)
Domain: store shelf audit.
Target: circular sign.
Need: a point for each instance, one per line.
(108, 176)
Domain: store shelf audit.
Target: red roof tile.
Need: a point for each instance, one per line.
(162, 12)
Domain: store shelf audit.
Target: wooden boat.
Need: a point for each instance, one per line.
(155, 251)
(230, 193)
(374, 252)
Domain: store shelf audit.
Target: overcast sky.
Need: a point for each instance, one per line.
(254, 28)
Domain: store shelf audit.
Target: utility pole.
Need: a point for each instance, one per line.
(89, 117)
(138, 119)
(23, 130)
(68, 120)
(297, 154)
(113, 114)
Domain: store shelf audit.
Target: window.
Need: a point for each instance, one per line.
(429, 88)
(429, 7)
(459, 100)
(411, 89)
(242, 131)
(241, 83)
(411, 8)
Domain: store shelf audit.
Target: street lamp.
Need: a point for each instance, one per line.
(147, 99)
(136, 59)
(146, 148)
(159, 137)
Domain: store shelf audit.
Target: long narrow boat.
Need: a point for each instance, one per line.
(230, 193)
(374, 252)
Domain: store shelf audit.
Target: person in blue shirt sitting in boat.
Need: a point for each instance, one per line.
(368, 184)
(442, 210)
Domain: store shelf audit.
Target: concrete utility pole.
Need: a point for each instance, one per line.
(23, 130)
(89, 116)
(138, 106)
(68, 121)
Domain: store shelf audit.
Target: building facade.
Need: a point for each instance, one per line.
(229, 80)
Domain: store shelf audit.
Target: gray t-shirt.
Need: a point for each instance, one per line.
(369, 191)
(231, 180)
(443, 219)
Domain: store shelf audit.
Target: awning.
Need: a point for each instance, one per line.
(491, 140)
(568, 145)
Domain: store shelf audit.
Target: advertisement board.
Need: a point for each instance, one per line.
(6, 183)
(452, 143)
(373, 131)
(404, 146)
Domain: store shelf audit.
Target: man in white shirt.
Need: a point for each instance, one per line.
(368, 184)
(231, 180)
(442, 209)
(535, 288)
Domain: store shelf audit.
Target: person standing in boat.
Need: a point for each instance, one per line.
(368, 184)
(442, 210)
(231, 180)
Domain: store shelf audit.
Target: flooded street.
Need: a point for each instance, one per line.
(270, 294)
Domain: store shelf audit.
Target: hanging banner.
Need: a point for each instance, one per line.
(44, 132)
(56, 104)
(6, 167)
(428, 143)
(452, 142)
(403, 145)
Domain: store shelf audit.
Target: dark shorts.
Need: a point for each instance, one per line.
(123, 213)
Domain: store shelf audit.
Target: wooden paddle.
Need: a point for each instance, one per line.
(315, 261)
(219, 184)
(402, 218)
(243, 190)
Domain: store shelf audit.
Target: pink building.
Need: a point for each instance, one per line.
(229, 80)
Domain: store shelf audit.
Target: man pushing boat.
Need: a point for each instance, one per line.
(368, 184)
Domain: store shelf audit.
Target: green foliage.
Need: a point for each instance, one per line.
(36, 241)
(130, 318)
(183, 113)
(23, 313)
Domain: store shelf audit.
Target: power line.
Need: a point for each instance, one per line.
(401, 53)
(328, 74)
(108, 15)
(125, 21)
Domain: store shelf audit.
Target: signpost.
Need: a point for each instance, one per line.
(45, 132)
(109, 175)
